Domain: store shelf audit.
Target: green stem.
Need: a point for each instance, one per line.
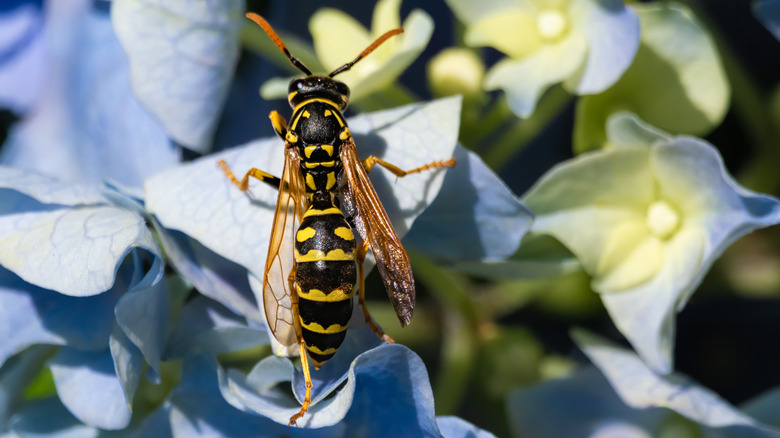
(475, 126)
(459, 346)
(524, 130)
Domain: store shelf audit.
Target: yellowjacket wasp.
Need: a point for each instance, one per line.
(314, 260)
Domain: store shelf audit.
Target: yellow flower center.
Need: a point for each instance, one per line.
(551, 24)
(662, 219)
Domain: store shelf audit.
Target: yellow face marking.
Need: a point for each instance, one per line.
(317, 328)
(327, 113)
(310, 183)
(345, 233)
(308, 150)
(305, 234)
(331, 181)
(337, 255)
(316, 212)
(291, 137)
(316, 350)
(327, 148)
(345, 134)
(334, 296)
(306, 114)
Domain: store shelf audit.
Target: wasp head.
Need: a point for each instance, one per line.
(318, 87)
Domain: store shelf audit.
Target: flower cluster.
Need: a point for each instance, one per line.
(131, 267)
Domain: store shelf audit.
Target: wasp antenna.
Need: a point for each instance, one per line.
(278, 41)
(369, 49)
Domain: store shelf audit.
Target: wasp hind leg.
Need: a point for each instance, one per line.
(303, 351)
(307, 378)
(361, 257)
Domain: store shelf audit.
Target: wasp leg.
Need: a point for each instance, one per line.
(280, 125)
(372, 161)
(301, 347)
(361, 257)
(307, 377)
(243, 185)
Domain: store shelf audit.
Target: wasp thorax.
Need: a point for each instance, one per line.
(318, 87)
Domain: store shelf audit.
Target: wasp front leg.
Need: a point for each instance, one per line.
(258, 174)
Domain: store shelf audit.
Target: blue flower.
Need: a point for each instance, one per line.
(85, 124)
(81, 272)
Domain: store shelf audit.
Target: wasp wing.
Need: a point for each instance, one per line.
(280, 263)
(375, 227)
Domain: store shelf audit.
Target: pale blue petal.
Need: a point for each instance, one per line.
(182, 55)
(88, 386)
(454, 427)
(257, 392)
(128, 362)
(768, 13)
(75, 251)
(143, 314)
(49, 418)
(210, 327)
(195, 409)
(579, 405)
(640, 387)
(392, 373)
(212, 275)
(22, 56)
(199, 200)
(612, 31)
(115, 138)
(45, 189)
(32, 315)
(477, 207)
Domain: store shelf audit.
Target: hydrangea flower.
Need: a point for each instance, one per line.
(81, 270)
(653, 212)
(338, 38)
(676, 82)
(622, 397)
(83, 67)
(585, 44)
(182, 56)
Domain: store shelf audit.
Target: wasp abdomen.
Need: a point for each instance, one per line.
(325, 277)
